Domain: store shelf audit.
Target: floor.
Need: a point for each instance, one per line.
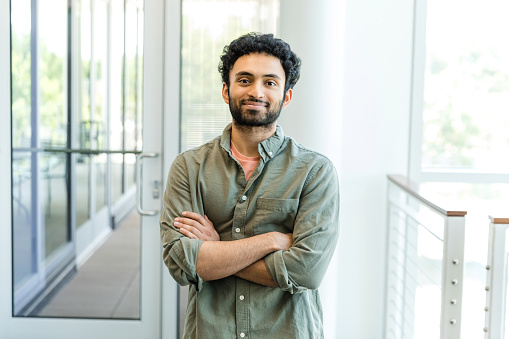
(107, 285)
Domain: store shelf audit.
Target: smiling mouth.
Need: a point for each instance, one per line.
(255, 104)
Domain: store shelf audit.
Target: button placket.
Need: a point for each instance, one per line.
(242, 308)
(239, 216)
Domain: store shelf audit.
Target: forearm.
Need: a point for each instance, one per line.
(257, 273)
(220, 259)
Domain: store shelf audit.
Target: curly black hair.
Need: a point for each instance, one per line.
(263, 44)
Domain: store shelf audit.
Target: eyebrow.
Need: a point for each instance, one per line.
(244, 73)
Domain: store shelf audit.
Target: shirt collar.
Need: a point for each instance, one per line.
(267, 148)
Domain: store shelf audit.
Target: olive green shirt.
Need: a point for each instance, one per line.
(293, 190)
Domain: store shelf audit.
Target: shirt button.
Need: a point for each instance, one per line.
(244, 198)
(242, 335)
(241, 297)
(237, 230)
(270, 153)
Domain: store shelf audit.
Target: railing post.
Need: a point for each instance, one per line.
(452, 276)
(496, 279)
(425, 264)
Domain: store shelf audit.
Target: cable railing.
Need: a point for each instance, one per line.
(497, 287)
(425, 251)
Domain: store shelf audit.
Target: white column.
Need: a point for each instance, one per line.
(313, 30)
(313, 118)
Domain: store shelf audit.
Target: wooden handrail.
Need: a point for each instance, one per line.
(413, 189)
(499, 220)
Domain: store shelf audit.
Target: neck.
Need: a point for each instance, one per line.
(247, 138)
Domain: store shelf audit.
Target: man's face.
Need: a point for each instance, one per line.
(256, 92)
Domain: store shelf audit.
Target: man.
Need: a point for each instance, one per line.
(250, 219)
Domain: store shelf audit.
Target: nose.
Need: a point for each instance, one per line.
(256, 90)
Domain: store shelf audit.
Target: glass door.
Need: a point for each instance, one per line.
(76, 131)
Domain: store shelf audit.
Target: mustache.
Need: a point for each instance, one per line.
(266, 103)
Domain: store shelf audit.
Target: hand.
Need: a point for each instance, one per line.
(194, 226)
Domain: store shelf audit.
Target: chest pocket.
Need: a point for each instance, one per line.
(275, 215)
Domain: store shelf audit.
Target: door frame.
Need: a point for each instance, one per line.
(159, 291)
(171, 141)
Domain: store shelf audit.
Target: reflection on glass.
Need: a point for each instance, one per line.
(101, 72)
(52, 73)
(117, 99)
(53, 122)
(130, 168)
(82, 193)
(117, 164)
(100, 183)
(139, 102)
(39, 116)
(50, 240)
(21, 74)
(86, 125)
(24, 256)
(131, 77)
(117, 77)
(101, 104)
(54, 198)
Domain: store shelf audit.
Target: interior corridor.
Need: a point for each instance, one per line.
(107, 285)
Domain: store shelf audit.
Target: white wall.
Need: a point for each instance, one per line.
(314, 31)
(352, 103)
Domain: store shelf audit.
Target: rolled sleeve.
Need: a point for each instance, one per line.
(179, 252)
(180, 258)
(315, 234)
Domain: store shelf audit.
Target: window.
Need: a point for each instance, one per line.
(466, 93)
(208, 26)
(76, 127)
(464, 126)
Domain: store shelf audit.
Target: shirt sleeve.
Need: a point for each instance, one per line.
(179, 252)
(315, 234)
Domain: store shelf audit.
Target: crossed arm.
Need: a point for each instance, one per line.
(215, 257)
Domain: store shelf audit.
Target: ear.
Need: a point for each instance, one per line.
(225, 94)
(288, 98)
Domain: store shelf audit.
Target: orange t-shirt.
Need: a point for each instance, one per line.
(249, 164)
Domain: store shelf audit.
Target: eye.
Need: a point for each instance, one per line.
(271, 83)
(244, 81)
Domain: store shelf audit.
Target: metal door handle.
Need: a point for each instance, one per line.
(139, 186)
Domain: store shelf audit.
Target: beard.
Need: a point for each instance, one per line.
(252, 117)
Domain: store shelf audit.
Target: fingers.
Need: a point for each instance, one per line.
(188, 233)
(189, 225)
(188, 222)
(194, 216)
(195, 226)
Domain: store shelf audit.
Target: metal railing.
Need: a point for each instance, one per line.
(497, 269)
(424, 277)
